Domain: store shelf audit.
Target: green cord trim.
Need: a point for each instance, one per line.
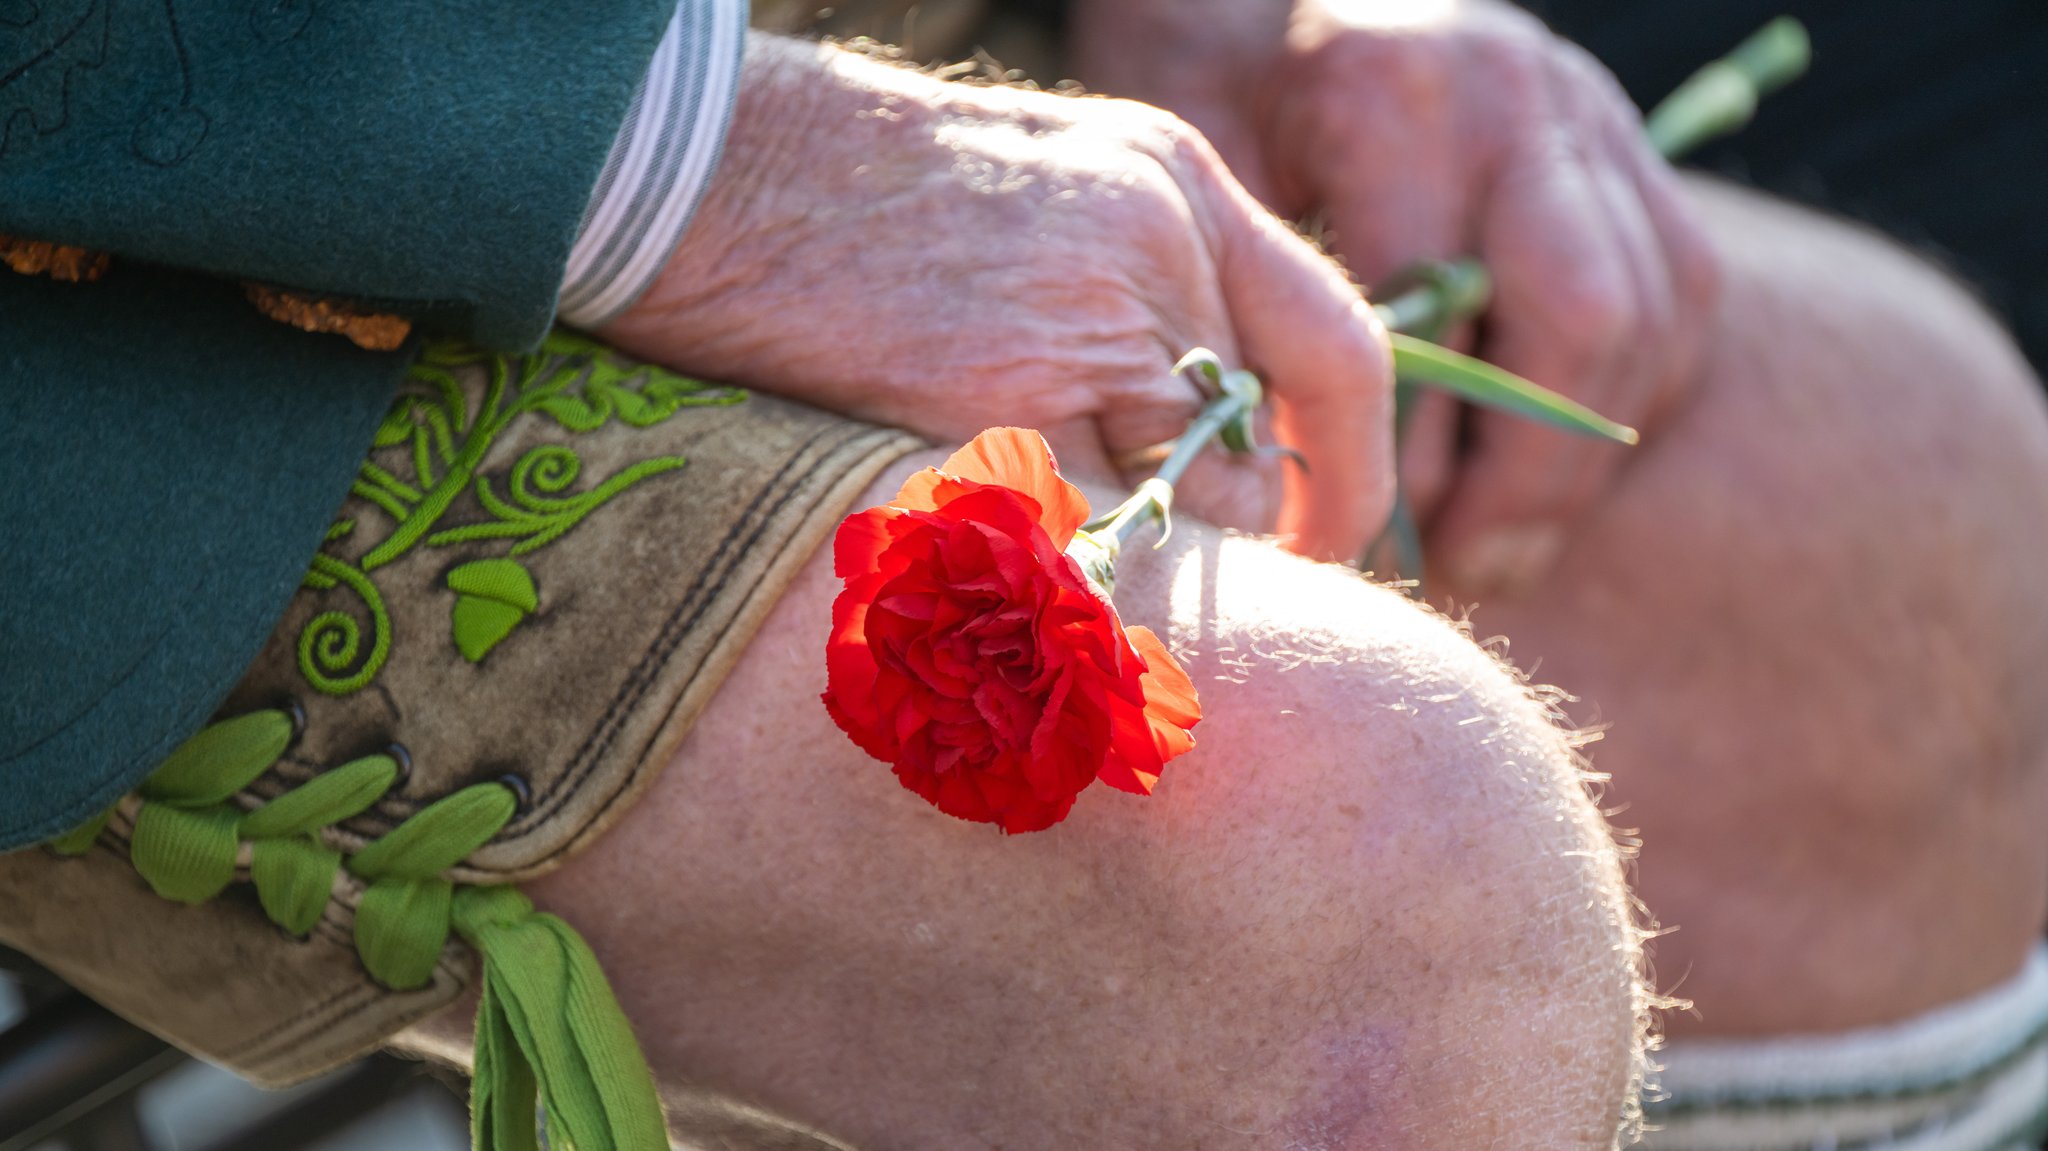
(549, 1032)
(433, 431)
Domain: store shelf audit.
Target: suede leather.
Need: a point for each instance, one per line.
(216, 979)
(638, 610)
(642, 608)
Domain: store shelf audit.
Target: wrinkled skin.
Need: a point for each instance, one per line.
(944, 258)
(1420, 130)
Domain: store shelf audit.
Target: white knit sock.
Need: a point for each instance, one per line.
(1972, 1076)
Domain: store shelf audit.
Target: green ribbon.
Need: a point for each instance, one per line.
(549, 1033)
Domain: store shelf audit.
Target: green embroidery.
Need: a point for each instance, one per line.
(549, 1034)
(493, 596)
(431, 448)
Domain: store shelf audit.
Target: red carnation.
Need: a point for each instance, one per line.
(969, 650)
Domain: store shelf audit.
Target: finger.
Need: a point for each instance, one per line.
(1233, 490)
(1637, 370)
(1549, 481)
(1695, 269)
(1150, 405)
(1383, 215)
(1689, 270)
(1564, 312)
(1380, 218)
(1078, 447)
(1368, 140)
(1327, 366)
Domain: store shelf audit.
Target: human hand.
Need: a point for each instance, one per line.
(1434, 130)
(946, 258)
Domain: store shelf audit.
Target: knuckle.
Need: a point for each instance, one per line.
(1596, 304)
(1340, 59)
(1148, 127)
(1176, 146)
(1585, 69)
(1362, 71)
(1513, 71)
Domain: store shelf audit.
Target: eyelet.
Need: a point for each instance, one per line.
(296, 712)
(401, 756)
(522, 792)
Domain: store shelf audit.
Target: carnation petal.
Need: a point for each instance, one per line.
(860, 542)
(1146, 740)
(1169, 693)
(922, 492)
(1019, 458)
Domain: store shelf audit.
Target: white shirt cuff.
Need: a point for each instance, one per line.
(660, 163)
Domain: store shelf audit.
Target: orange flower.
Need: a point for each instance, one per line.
(969, 651)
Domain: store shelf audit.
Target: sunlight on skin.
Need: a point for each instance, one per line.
(1392, 14)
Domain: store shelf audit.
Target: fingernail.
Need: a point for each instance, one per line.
(1509, 560)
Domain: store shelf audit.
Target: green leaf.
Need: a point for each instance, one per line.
(80, 839)
(493, 597)
(221, 760)
(1482, 383)
(574, 412)
(633, 407)
(397, 424)
(480, 624)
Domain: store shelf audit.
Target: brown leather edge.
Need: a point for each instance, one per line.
(846, 468)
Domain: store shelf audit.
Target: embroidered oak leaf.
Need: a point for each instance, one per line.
(640, 396)
(492, 597)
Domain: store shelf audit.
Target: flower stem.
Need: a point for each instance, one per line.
(1445, 292)
(1717, 100)
(1721, 97)
(1227, 417)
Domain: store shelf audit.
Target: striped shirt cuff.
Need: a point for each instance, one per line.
(660, 163)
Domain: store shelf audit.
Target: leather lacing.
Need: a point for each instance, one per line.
(549, 1032)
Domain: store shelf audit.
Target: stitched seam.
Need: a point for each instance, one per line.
(348, 1000)
(686, 614)
(753, 521)
(881, 435)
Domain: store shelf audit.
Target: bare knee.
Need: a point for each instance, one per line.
(1900, 443)
(1372, 908)
(1808, 611)
(1417, 814)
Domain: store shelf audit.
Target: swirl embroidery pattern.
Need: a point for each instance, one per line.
(432, 432)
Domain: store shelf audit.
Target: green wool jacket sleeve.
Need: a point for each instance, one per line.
(169, 460)
(434, 155)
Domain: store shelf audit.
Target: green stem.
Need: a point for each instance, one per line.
(491, 420)
(1446, 292)
(1153, 498)
(1721, 97)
